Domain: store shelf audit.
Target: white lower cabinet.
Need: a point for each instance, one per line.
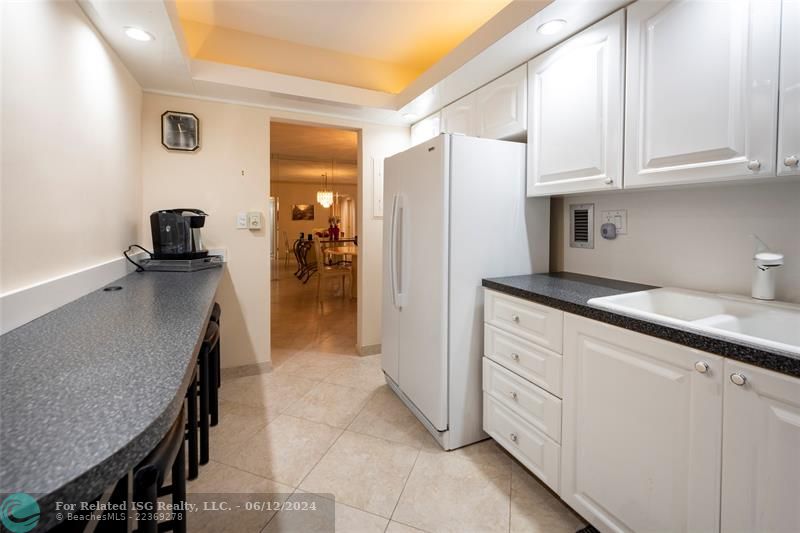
(760, 451)
(531, 447)
(648, 435)
(642, 425)
(537, 406)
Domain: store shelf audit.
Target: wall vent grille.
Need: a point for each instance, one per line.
(581, 225)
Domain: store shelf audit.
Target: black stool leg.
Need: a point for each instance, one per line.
(204, 406)
(146, 492)
(213, 391)
(191, 398)
(219, 362)
(179, 488)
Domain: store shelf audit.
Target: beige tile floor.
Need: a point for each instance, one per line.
(323, 421)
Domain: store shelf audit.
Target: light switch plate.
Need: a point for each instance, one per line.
(241, 221)
(618, 217)
(254, 220)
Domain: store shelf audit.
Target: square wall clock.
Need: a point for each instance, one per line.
(180, 131)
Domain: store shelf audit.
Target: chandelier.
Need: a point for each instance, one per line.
(325, 195)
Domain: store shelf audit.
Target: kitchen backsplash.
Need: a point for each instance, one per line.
(697, 238)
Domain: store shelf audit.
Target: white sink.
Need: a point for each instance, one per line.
(769, 325)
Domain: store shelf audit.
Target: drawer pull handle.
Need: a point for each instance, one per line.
(515, 318)
(513, 437)
(513, 395)
(515, 356)
(738, 379)
(701, 366)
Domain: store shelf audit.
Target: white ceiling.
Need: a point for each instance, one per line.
(302, 153)
(311, 172)
(410, 33)
(507, 40)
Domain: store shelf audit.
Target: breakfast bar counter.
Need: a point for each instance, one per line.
(87, 390)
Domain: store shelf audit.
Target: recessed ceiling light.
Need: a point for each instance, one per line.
(551, 26)
(138, 34)
(410, 116)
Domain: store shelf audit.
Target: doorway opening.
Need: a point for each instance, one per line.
(313, 194)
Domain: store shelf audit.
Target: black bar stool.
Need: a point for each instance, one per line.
(149, 476)
(216, 371)
(191, 425)
(210, 340)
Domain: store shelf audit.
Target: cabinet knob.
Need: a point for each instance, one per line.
(515, 318)
(513, 395)
(701, 366)
(513, 437)
(791, 161)
(609, 181)
(753, 164)
(515, 356)
(738, 379)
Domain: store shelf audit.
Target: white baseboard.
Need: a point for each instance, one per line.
(233, 372)
(372, 349)
(20, 306)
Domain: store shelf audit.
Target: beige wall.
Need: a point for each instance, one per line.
(227, 175)
(291, 193)
(235, 138)
(696, 238)
(70, 154)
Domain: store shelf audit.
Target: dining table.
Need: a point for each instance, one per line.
(345, 251)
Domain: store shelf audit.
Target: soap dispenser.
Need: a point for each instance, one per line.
(764, 264)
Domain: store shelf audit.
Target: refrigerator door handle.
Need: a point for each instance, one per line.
(393, 250)
(400, 229)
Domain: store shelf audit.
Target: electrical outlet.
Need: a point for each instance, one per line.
(241, 221)
(254, 220)
(619, 218)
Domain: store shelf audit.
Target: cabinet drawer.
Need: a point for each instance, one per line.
(540, 408)
(530, 446)
(537, 323)
(540, 366)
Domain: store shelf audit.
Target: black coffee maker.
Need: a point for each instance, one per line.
(176, 233)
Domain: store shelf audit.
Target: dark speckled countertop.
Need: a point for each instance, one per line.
(87, 390)
(571, 292)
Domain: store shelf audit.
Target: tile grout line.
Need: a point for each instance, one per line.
(329, 448)
(405, 483)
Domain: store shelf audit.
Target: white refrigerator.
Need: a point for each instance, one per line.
(456, 212)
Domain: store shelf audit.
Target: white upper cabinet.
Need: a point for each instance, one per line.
(501, 107)
(495, 111)
(425, 129)
(701, 91)
(641, 431)
(789, 117)
(459, 117)
(575, 105)
(760, 451)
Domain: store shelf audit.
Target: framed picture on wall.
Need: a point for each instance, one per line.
(303, 212)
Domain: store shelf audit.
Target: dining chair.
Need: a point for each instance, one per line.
(326, 271)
